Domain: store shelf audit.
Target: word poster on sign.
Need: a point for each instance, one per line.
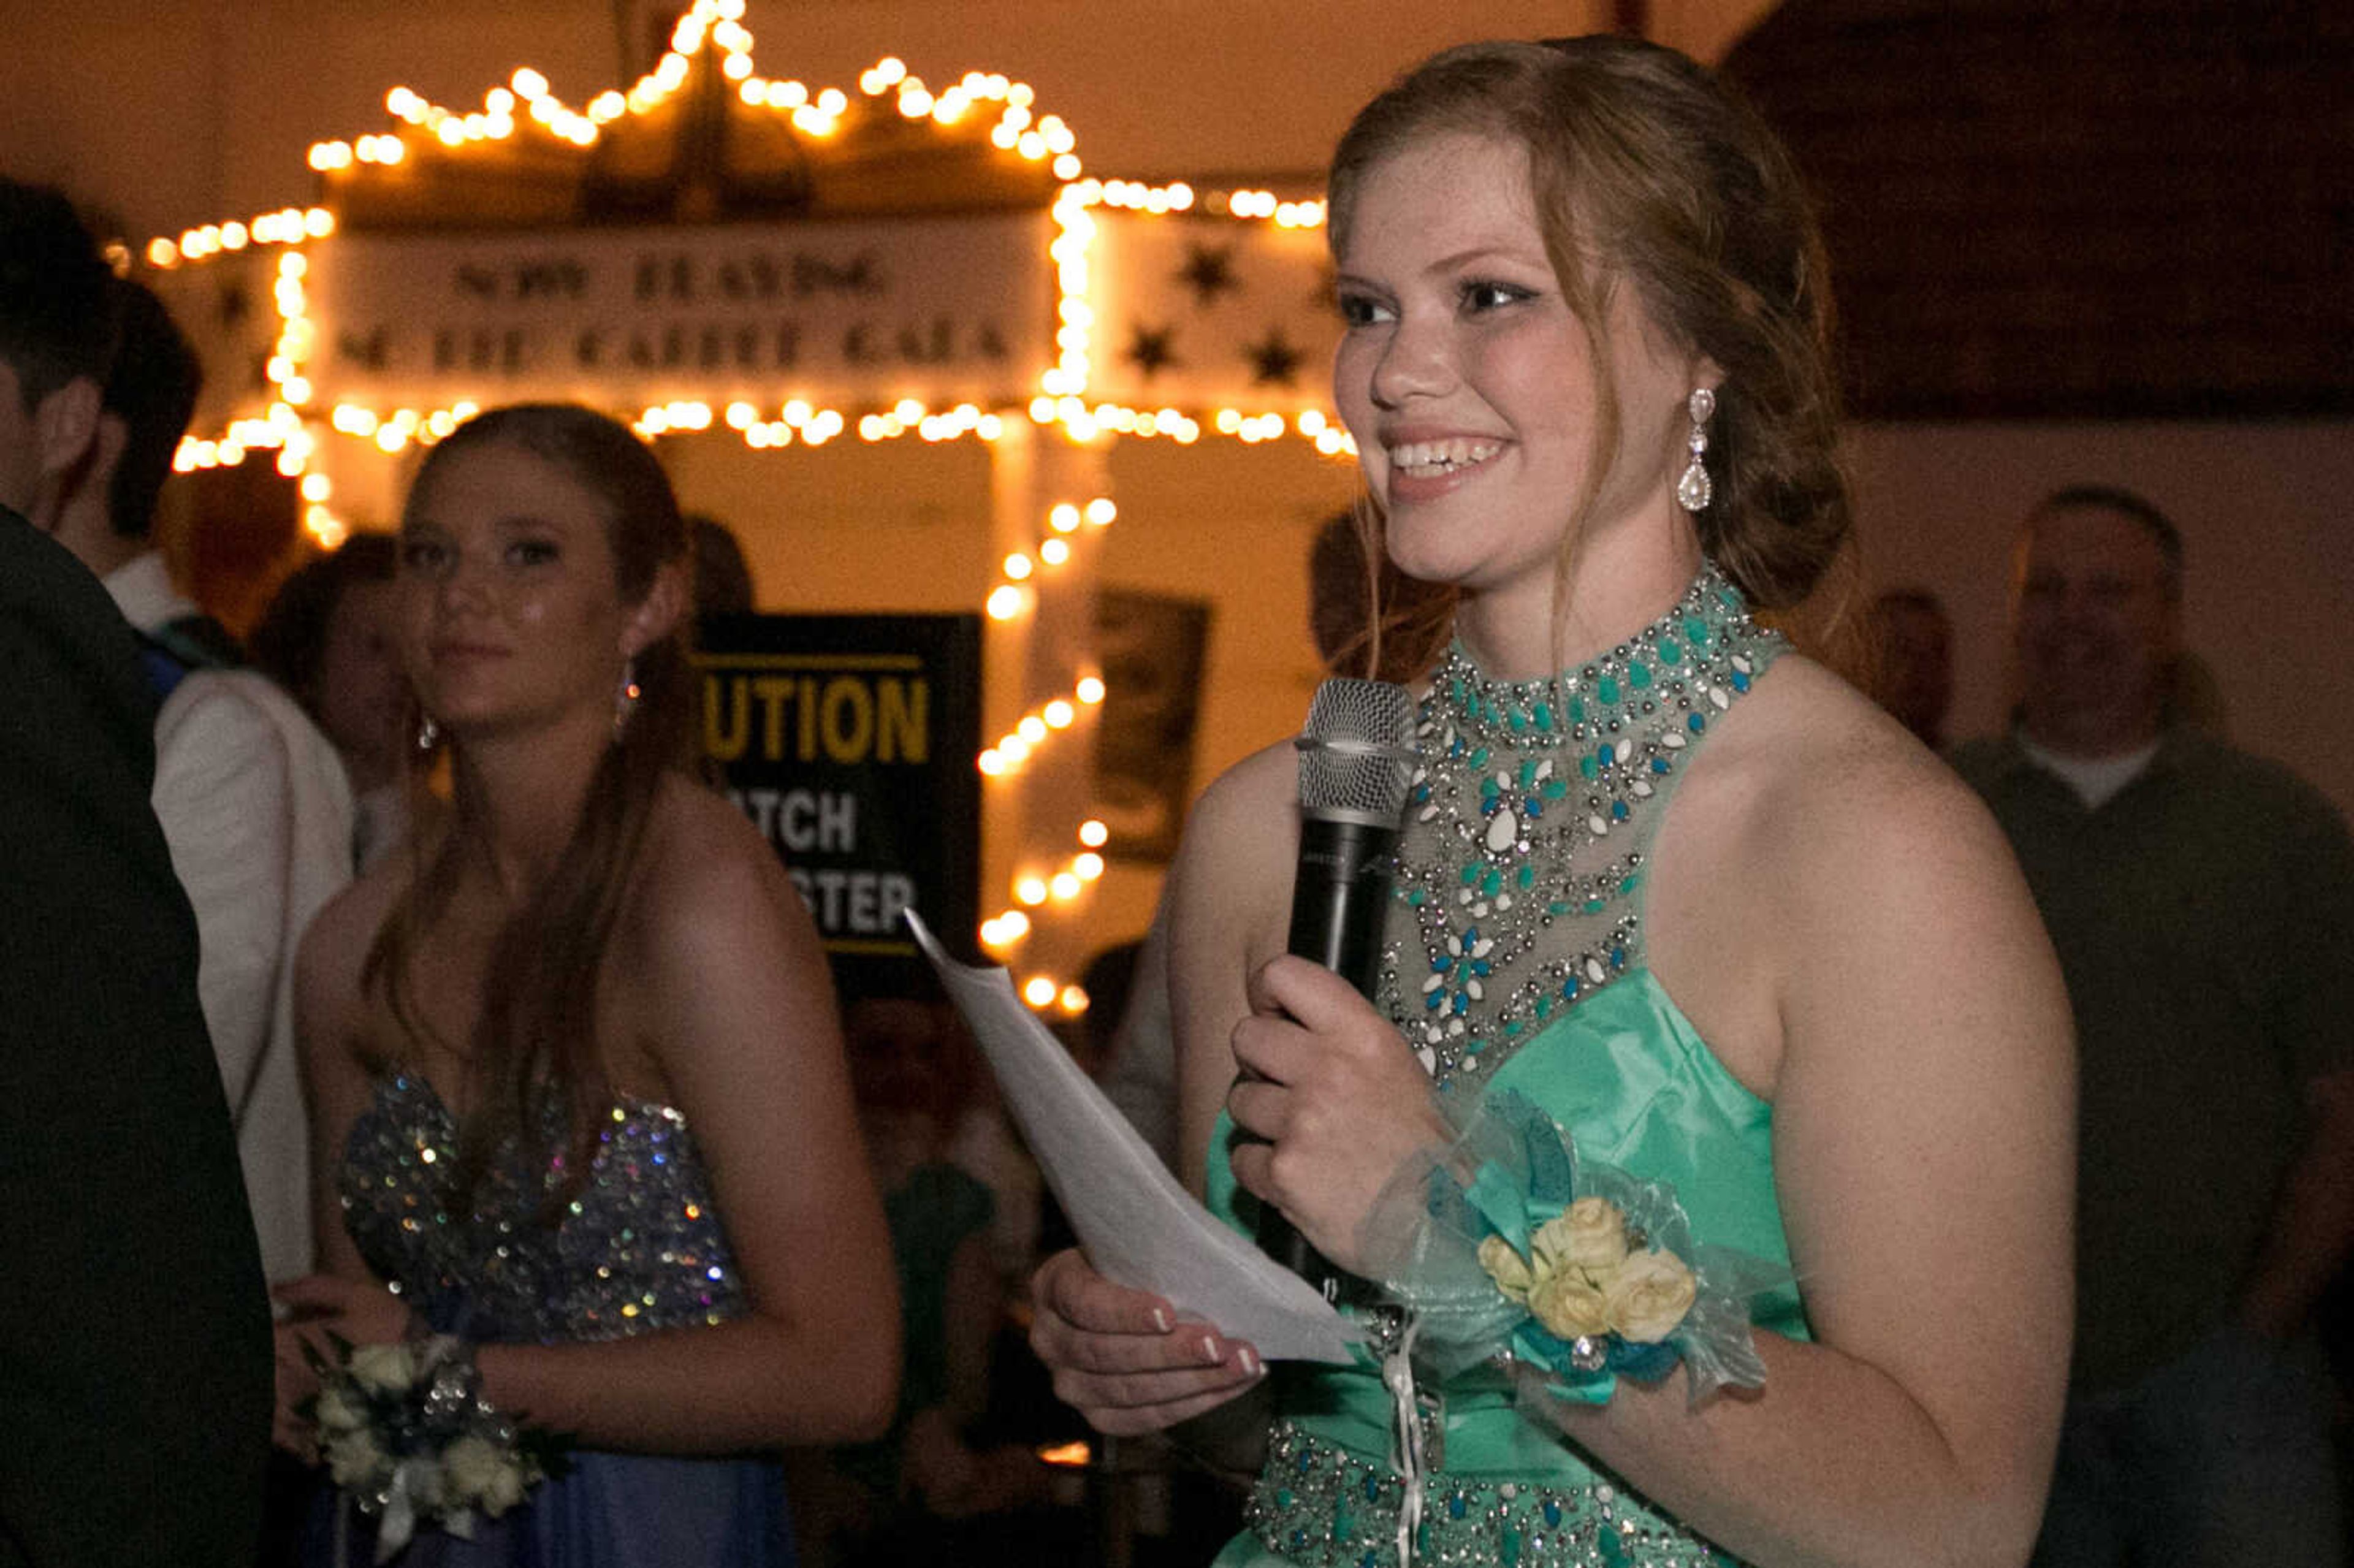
(848, 741)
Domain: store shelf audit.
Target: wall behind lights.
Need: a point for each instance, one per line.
(170, 113)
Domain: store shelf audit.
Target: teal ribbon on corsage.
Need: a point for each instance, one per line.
(1519, 1249)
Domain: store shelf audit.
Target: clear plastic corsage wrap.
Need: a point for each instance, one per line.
(1511, 1246)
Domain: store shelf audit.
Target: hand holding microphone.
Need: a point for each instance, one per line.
(1356, 762)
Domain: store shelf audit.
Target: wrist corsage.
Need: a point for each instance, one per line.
(407, 1437)
(1520, 1250)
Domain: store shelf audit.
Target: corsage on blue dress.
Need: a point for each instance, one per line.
(641, 1249)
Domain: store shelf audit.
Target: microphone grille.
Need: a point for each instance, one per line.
(1356, 752)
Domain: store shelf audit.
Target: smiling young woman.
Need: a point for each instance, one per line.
(1676, 930)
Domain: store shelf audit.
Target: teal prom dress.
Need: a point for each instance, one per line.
(1580, 1029)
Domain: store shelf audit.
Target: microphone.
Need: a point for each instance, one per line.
(1356, 764)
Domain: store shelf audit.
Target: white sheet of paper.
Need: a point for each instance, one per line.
(1139, 1224)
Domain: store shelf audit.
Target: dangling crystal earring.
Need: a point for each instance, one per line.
(1693, 489)
(428, 734)
(626, 697)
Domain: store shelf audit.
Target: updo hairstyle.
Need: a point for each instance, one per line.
(1644, 169)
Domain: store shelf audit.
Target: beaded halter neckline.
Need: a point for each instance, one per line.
(1529, 821)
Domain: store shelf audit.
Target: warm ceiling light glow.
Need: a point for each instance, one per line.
(1018, 566)
(1040, 992)
(1032, 728)
(1090, 866)
(1074, 1000)
(1093, 833)
(1054, 552)
(1031, 890)
(1063, 519)
(1065, 885)
(1059, 714)
(1090, 690)
(1004, 602)
(1014, 924)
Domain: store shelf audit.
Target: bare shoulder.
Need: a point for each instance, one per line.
(1813, 787)
(1815, 841)
(705, 872)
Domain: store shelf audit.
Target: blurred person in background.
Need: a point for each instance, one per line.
(330, 638)
(134, 1327)
(2202, 903)
(1911, 649)
(252, 799)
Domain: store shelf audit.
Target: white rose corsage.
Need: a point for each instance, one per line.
(1512, 1248)
(407, 1437)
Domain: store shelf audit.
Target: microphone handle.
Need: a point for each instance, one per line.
(1339, 897)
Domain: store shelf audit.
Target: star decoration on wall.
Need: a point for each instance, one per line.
(1209, 272)
(1149, 348)
(1274, 361)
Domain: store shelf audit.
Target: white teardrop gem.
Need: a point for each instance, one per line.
(1625, 749)
(1599, 826)
(1501, 829)
(1717, 695)
(1594, 970)
(1480, 949)
(1673, 740)
(1432, 983)
(1427, 1057)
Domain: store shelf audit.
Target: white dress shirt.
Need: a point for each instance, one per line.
(257, 814)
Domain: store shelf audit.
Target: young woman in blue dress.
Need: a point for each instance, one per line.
(576, 1080)
(1724, 925)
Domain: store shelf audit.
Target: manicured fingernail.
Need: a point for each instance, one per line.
(1161, 1320)
(1210, 1349)
(1251, 1361)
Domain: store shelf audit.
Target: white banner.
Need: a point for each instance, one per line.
(843, 313)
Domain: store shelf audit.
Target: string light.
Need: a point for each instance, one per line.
(988, 107)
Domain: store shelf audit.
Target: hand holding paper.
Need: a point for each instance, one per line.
(1139, 1227)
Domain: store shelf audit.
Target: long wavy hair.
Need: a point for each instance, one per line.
(536, 1032)
(1646, 171)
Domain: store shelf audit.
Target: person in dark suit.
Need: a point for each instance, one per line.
(136, 1361)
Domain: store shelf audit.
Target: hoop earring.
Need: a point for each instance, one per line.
(1693, 489)
(626, 698)
(428, 734)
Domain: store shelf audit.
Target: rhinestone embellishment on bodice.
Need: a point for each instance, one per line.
(1530, 819)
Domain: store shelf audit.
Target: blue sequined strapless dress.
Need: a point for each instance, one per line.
(641, 1250)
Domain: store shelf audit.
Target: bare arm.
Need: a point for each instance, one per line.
(1924, 1099)
(736, 994)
